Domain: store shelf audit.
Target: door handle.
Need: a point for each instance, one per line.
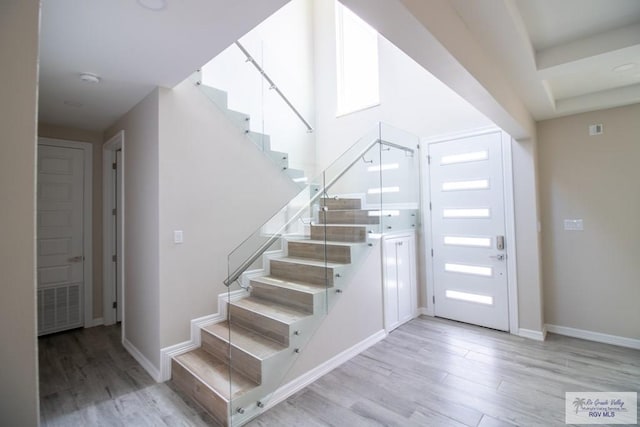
(78, 258)
(499, 257)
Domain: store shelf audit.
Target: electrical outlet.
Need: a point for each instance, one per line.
(573, 225)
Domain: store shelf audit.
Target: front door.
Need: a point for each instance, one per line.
(60, 239)
(468, 231)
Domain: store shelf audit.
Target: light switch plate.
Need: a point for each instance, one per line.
(573, 225)
(178, 236)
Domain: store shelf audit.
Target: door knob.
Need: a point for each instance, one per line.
(499, 257)
(78, 258)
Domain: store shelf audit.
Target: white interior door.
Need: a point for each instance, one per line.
(60, 238)
(468, 231)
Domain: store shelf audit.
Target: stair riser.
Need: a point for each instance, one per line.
(245, 363)
(262, 141)
(342, 203)
(339, 234)
(215, 405)
(241, 120)
(347, 217)
(316, 251)
(279, 158)
(302, 273)
(290, 297)
(266, 326)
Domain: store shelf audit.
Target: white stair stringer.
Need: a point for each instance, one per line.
(262, 141)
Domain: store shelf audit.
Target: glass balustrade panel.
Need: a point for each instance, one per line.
(300, 263)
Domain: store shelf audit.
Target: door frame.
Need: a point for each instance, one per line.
(509, 211)
(87, 221)
(109, 150)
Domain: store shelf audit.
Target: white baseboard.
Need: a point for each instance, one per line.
(595, 336)
(141, 359)
(424, 311)
(167, 353)
(533, 335)
(304, 380)
(95, 322)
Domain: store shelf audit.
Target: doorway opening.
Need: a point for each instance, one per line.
(113, 229)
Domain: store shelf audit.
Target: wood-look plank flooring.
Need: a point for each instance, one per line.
(429, 372)
(88, 379)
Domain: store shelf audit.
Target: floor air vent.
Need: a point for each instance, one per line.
(59, 308)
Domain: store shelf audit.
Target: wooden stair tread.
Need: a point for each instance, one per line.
(307, 261)
(297, 286)
(248, 341)
(279, 312)
(322, 242)
(321, 224)
(214, 373)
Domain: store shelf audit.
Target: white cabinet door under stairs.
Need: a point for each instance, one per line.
(399, 271)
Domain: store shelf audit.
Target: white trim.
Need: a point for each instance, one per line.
(96, 322)
(109, 149)
(423, 311)
(510, 231)
(87, 222)
(595, 336)
(142, 360)
(168, 353)
(483, 130)
(427, 242)
(304, 380)
(531, 334)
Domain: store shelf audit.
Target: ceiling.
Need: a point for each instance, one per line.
(132, 49)
(560, 56)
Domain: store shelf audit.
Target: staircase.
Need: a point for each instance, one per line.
(243, 121)
(243, 360)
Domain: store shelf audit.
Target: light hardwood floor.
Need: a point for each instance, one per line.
(429, 372)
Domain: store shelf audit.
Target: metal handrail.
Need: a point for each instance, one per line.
(263, 248)
(273, 85)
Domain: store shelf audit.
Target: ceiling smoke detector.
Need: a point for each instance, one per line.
(89, 78)
(155, 5)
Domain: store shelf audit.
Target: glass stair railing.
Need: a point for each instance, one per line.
(296, 266)
(271, 107)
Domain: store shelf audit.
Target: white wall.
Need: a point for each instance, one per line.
(435, 36)
(283, 46)
(216, 187)
(592, 277)
(410, 97)
(19, 21)
(356, 315)
(527, 214)
(141, 226)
